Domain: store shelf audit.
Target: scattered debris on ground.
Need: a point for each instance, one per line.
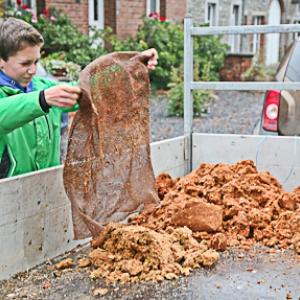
(213, 208)
(231, 212)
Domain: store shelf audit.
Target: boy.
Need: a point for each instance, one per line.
(31, 107)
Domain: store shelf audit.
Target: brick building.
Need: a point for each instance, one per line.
(123, 16)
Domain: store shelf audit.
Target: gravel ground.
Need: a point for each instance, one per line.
(232, 113)
(235, 112)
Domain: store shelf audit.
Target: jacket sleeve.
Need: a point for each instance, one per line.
(17, 110)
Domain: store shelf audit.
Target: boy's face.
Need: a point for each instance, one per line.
(22, 66)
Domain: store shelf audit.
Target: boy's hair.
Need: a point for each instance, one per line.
(16, 35)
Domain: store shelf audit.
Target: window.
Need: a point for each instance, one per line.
(211, 14)
(27, 2)
(30, 3)
(153, 6)
(298, 9)
(256, 37)
(234, 21)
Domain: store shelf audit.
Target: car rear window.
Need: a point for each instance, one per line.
(293, 69)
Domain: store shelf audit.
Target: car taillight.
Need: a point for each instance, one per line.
(270, 117)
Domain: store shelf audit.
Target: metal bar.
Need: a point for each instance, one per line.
(188, 93)
(244, 29)
(245, 86)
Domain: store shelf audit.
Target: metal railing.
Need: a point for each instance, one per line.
(189, 85)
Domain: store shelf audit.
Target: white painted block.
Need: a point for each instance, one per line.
(35, 213)
(168, 156)
(274, 154)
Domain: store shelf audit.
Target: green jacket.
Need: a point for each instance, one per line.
(32, 136)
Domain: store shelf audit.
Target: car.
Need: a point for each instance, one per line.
(280, 113)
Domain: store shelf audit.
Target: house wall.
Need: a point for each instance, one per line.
(128, 16)
(78, 12)
(110, 14)
(175, 10)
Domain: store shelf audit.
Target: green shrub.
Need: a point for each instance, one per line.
(201, 98)
(168, 38)
(1, 8)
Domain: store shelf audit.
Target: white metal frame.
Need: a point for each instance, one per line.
(189, 85)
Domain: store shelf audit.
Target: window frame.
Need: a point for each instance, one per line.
(157, 4)
(296, 21)
(257, 20)
(235, 20)
(31, 3)
(208, 5)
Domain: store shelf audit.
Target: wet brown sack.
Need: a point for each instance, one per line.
(108, 173)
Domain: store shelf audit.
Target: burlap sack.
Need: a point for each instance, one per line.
(108, 173)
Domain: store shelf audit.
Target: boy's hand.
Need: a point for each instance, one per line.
(152, 56)
(62, 95)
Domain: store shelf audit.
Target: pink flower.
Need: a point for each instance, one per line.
(52, 18)
(34, 18)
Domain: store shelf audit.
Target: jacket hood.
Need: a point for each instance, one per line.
(7, 81)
